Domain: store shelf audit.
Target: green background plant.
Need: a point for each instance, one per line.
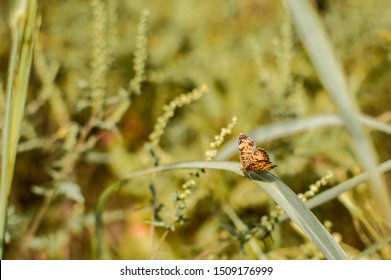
(102, 75)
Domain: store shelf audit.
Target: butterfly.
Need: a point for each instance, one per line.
(251, 157)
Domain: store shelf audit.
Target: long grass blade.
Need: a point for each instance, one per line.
(280, 192)
(24, 29)
(290, 127)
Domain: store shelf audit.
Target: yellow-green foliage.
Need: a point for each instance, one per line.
(109, 83)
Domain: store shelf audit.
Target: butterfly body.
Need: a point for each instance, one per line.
(251, 157)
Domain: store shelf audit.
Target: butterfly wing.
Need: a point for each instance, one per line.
(260, 161)
(246, 147)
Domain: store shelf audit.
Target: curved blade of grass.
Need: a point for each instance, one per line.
(321, 53)
(284, 129)
(332, 193)
(301, 215)
(23, 26)
(280, 192)
(375, 247)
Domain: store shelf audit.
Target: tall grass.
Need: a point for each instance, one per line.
(128, 98)
(24, 29)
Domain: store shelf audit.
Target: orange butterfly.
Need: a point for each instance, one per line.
(251, 157)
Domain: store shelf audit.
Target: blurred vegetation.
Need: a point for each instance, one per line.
(120, 86)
